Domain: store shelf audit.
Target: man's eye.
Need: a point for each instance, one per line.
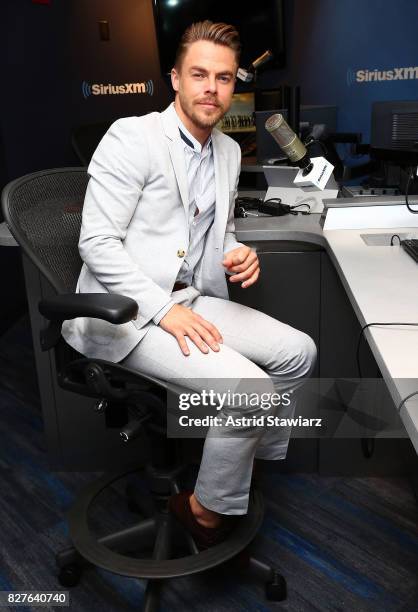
(225, 79)
(198, 75)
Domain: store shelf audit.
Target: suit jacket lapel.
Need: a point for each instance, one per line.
(175, 146)
(176, 149)
(221, 185)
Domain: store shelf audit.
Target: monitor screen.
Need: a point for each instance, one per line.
(394, 131)
(260, 26)
(240, 116)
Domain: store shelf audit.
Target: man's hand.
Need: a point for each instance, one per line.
(181, 321)
(244, 262)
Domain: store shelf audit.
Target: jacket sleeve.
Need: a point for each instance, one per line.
(230, 241)
(118, 172)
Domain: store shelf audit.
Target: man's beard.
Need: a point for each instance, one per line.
(201, 123)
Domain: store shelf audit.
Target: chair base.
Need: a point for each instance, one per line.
(161, 533)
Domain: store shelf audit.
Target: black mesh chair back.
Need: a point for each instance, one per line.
(44, 215)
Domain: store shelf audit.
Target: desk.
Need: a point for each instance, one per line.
(382, 286)
(6, 239)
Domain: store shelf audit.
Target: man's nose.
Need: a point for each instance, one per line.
(211, 84)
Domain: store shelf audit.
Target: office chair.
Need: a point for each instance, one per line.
(43, 211)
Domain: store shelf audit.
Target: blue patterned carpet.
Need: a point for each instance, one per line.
(342, 543)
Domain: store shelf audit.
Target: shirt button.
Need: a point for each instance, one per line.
(181, 253)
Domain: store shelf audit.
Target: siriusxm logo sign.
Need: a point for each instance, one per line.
(372, 76)
(100, 89)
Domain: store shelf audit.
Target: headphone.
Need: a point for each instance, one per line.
(273, 207)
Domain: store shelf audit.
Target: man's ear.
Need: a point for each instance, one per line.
(175, 79)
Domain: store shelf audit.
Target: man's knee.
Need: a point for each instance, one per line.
(299, 357)
(309, 354)
(252, 396)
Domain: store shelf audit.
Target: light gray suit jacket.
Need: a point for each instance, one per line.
(135, 227)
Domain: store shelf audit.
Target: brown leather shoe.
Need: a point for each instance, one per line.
(204, 537)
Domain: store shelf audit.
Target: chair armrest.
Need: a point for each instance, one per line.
(109, 307)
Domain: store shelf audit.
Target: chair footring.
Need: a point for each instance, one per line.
(141, 535)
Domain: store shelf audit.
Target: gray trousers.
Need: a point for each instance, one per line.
(259, 355)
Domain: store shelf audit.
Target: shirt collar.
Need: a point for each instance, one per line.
(188, 138)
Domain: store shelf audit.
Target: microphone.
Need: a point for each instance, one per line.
(313, 172)
(287, 140)
(248, 75)
(262, 59)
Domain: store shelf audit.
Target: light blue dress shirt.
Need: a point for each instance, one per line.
(201, 182)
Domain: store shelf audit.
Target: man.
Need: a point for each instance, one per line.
(158, 227)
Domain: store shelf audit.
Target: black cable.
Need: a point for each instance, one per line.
(395, 236)
(304, 212)
(248, 202)
(244, 203)
(364, 441)
(415, 212)
(291, 211)
(406, 399)
(286, 209)
(320, 143)
(361, 335)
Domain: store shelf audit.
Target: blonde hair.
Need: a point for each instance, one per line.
(218, 33)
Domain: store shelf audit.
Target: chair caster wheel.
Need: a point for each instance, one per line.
(70, 575)
(276, 590)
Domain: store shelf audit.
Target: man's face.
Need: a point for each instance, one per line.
(205, 82)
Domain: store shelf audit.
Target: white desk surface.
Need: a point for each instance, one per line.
(6, 239)
(382, 285)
